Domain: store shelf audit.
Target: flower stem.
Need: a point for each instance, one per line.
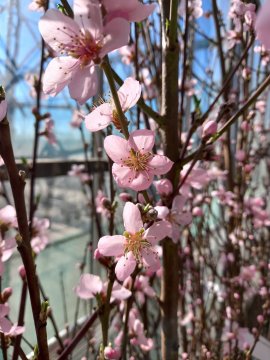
(121, 116)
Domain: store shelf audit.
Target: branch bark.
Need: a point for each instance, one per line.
(23, 239)
(169, 111)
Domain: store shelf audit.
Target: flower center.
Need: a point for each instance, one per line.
(138, 161)
(82, 45)
(135, 243)
(85, 48)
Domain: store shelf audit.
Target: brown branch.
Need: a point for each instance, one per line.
(169, 111)
(80, 334)
(23, 239)
(16, 351)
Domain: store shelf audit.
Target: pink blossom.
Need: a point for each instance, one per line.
(142, 288)
(131, 10)
(40, 237)
(209, 129)
(8, 217)
(48, 131)
(164, 187)
(197, 179)
(127, 52)
(101, 201)
(3, 109)
(136, 246)
(263, 53)
(112, 353)
(91, 285)
(189, 86)
(224, 197)
(129, 93)
(194, 7)
(137, 331)
(32, 81)
(37, 5)
(77, 119)
(176, 216)
(80, 44)
(6, 326)
(134, 164)
(197, 211)
(7, 248)
(240, 155)
(149, 85)
(80, 172)
(262, 25)
(261, 106)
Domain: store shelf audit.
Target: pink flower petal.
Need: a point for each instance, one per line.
(185, 218)
(16, 330)
(111, 245)
(120, 292)
(57, 29)
(129, 93)
(3, 109)
(141, 181)
(142, 140)
(58, 74)
(150, 259)
(84, 84)
(163, 211)
(262, 25)
(123, 175)
(4, 310)
(5, 325)
(179, 202)
(88, 16)
(160, 164)
(125, 266)
(99, 118)
(132, 218)
(116, 148)
(116, 36)
(89, 286)
(131, 10)
(158, 231)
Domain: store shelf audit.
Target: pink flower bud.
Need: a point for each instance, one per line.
(22, 272)
(260, 319)
(246, 73)
(97, 254)
(248, 168)
(245, 126)
(197, 211)
(125, 197)
(240, 155)
(111, 353)
(209, 129)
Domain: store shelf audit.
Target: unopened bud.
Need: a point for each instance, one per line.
(152, 214)
(22, 272)
(209, 129)
(197, 211)
(125, 197)
(6, 293)
(260, 319)
(106, 203)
